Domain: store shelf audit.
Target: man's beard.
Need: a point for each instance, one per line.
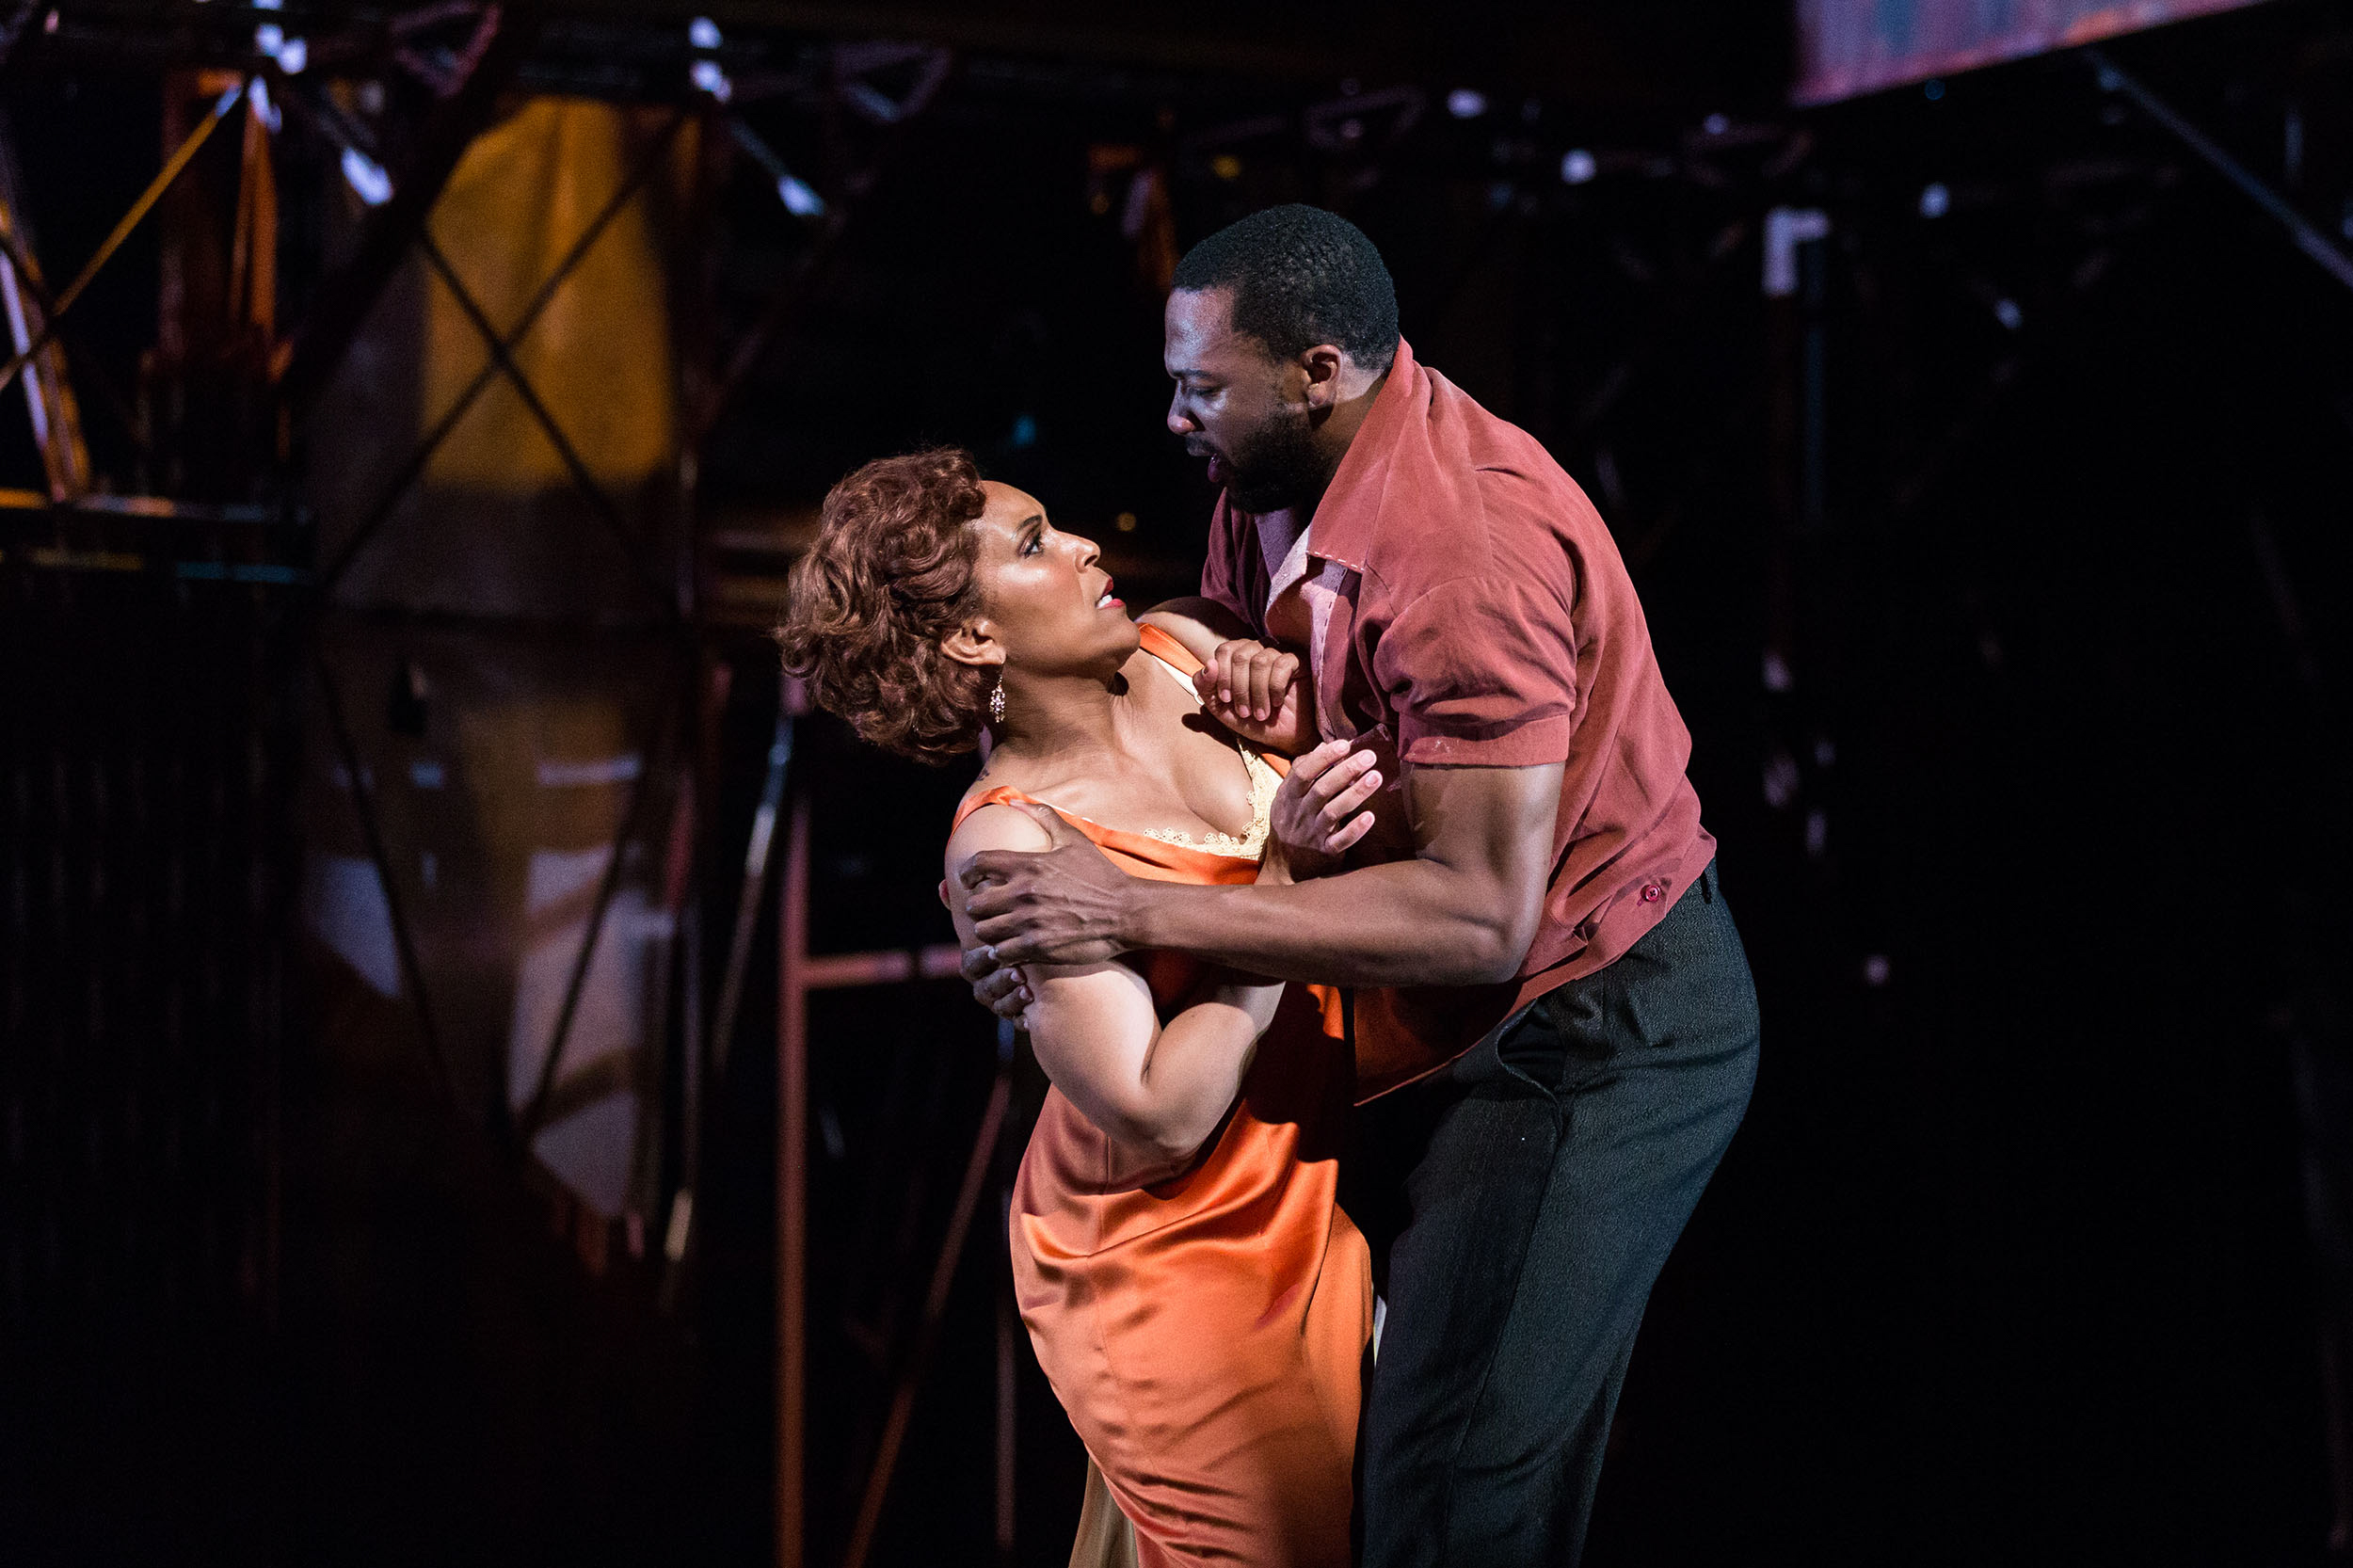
(1276, 466)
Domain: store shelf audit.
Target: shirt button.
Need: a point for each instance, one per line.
(1651, 891)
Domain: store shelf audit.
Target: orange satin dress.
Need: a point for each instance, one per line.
(1206, 1334)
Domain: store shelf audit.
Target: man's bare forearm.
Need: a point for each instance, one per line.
(1462, 912)
(1411, 922)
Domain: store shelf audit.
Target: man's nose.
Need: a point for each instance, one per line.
(1179, 423)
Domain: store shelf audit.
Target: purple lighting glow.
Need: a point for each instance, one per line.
(1847, 48)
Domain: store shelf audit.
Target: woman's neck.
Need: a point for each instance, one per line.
(1062, 722)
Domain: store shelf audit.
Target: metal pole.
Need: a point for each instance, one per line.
(794, 292)
(927, 1332)
(758, 856)
(792, 1189)
(48, 393)
(2308, 239)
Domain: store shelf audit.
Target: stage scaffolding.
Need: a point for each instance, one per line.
(221, 577)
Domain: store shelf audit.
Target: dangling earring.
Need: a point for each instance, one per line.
(997, 701)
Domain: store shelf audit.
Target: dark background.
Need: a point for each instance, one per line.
(2021, 1255)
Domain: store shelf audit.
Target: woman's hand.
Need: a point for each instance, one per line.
(1319, 813)
(1255, 689)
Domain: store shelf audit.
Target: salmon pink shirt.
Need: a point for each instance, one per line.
(1462, 603)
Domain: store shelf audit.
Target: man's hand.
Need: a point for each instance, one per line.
(1004, 992)
(1254, 689)
(1318, 814)
(1067, 905)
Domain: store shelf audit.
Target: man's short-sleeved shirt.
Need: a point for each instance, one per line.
(1475, 612)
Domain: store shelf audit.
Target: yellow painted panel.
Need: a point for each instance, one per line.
(599, 354)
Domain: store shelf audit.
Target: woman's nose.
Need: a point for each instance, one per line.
(1088, 551)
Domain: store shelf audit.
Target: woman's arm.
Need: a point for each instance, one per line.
(1159, 1089)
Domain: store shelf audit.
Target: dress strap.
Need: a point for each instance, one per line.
(1001, 795)
(1181, 663)
(1168, 651)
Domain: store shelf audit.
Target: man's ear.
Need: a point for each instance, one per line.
(1322, 364)
(974, 643)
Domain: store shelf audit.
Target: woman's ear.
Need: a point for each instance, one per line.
(974, 643)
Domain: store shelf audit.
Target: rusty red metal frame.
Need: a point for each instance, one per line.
(799, 973)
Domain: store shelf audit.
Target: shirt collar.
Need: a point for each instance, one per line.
(1342, 527)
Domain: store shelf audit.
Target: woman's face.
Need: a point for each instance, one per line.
(1043, 600)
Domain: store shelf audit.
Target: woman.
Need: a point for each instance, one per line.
(1194, 1293)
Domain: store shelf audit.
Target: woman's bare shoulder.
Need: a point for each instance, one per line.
(995, 825)
(1199, 624)
(999, 824)
(1004, 824)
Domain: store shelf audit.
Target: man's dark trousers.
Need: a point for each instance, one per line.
(1546, 1175)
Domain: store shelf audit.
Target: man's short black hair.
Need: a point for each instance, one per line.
(1301, 276)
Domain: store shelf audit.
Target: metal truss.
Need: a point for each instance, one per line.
(466, 57)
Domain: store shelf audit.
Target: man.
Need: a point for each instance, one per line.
(1461, 610)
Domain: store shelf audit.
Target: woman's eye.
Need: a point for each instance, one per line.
(1034, 545)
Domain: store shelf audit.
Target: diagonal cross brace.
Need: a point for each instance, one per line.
(88, 368)
(410, 471)
(632, 824)
(504, 37)
(371, 834)
(49, 399)
(504, 360)
(165, 179)
(2301, 232)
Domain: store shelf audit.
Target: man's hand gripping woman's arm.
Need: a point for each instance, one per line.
(1461, 912)
(1158, 1089)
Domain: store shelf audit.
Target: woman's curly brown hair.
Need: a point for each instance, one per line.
(891, 573)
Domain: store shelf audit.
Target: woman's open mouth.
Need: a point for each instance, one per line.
(1107, 600)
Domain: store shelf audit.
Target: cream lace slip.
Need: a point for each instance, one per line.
(1264, 781)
